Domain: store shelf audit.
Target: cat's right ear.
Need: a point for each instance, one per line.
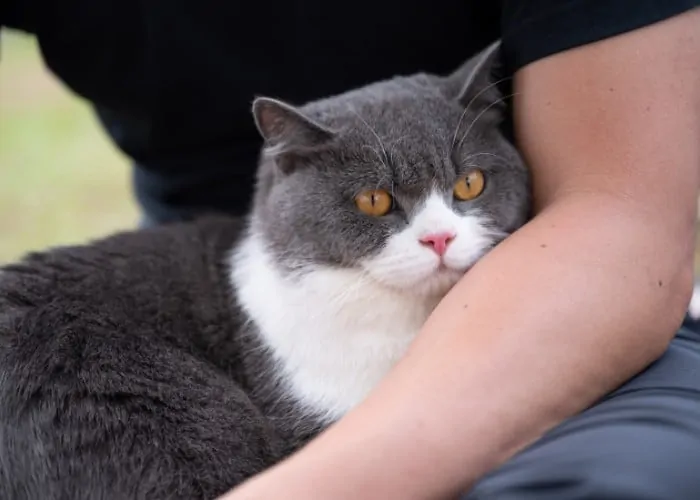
(287, 132)
(478, 81)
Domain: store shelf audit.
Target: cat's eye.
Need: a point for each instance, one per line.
(469, 186)
(374, 202)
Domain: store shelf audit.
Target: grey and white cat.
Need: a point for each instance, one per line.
(176, 362)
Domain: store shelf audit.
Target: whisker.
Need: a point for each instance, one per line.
(339, 301)
(459, 124)
(470, 158)
(374, 150)
(497, 101)
(471, 101)
(376, 135)
(474, 155)
(392, 146)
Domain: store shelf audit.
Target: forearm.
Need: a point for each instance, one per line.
(558, 316)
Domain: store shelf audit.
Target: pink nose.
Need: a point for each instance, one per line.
(438, 241)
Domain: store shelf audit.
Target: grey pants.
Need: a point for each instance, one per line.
(642, 442)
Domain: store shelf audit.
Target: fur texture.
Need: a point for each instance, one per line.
(176, 362)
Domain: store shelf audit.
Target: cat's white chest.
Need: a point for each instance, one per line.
(335, 333)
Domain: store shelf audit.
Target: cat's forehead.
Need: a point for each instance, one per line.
(401, 128)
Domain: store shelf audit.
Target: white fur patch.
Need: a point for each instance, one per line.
(337, 332)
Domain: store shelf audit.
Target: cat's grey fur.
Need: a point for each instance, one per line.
(129, 369)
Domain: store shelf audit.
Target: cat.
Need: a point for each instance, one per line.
(177, 361)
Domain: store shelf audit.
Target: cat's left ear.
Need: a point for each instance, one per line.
(286, 130)
(477, 83)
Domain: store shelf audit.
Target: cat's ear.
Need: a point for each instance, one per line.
(286, 130)
(477, 83)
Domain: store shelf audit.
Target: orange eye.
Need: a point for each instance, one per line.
(374, 202)
(469, 186)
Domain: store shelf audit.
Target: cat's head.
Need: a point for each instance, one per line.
(409, 180)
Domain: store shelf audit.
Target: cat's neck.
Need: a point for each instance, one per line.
(334, 332)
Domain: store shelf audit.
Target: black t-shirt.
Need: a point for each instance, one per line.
(173, 80)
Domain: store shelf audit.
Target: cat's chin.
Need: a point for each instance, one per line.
(440, 282)
(435, 284)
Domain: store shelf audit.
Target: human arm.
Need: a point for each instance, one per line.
(580, 299)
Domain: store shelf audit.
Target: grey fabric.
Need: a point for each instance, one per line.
(640, 443)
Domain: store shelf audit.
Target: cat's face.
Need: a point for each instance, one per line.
(399, 179)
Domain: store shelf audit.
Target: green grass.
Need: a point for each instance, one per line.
(61, 179)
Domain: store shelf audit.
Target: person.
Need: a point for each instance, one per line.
(556, 367)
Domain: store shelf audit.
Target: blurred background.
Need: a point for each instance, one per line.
(61, 179)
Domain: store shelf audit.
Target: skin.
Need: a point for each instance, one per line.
(575, 303)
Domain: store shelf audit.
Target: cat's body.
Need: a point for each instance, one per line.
(175, 362)
(136, 385)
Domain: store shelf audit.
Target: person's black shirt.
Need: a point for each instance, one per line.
(173, 80)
